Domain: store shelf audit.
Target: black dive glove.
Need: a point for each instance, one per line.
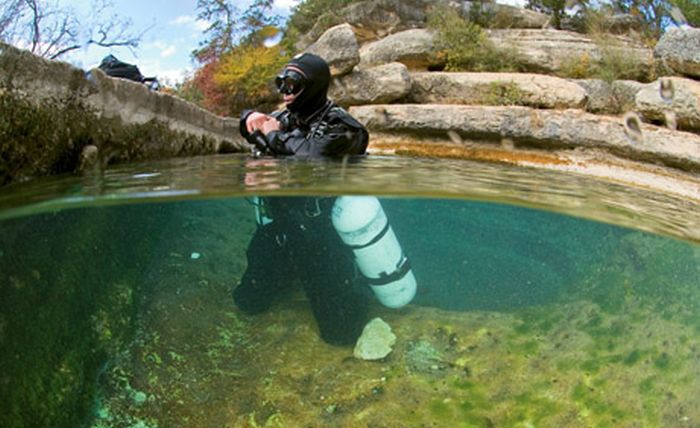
(259, 141)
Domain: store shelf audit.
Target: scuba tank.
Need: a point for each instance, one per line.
(363, 226)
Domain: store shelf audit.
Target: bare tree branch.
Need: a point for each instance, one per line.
(10, 13)
(51, 28)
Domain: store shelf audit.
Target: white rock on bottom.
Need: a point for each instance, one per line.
(375, 342)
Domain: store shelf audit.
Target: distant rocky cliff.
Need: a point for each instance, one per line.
(387, 72)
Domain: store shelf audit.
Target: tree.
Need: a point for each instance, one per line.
(691, 10)
(236, 65)
(51, 29)
(557, 9)
(655, 14)
(229, 28)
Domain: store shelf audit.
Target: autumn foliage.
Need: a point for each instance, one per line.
(237, 61)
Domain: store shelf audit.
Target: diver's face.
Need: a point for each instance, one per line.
(290, 84)
(289, 98)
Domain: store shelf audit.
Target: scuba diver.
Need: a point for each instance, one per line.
(295, 237)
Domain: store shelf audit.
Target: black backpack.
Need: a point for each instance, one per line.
(115, 68)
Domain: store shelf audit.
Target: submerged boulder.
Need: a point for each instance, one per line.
(375, 342)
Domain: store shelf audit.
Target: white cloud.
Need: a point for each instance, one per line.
(181, 20)
(286, 4)
(517, 3)
(158, 44)
(169, 51)
(190, 21)
(173, 76)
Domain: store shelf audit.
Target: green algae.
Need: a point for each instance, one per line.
(662, 361)
(64, 321)
(595, 404)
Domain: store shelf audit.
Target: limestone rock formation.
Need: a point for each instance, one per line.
(671, 99)
(338, 46)
(540, 128)
(496, 89)
(382, 84)
(506, 16)
(603, 97)
(599, 96)
(372, 19)
(414, 48)
(548, 51)
(679, 49)
(625, 92)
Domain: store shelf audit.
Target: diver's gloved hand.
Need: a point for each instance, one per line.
(254, 120)
(260, 141)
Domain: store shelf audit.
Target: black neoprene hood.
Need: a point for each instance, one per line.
(318, 78)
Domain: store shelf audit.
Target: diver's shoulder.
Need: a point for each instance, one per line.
(339, 114)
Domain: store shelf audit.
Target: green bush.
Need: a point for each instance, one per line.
(504, 94)
(465, 46)
(691, 10)
(614, 63)
(305, 15)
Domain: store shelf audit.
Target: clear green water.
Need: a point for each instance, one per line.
(544, 300)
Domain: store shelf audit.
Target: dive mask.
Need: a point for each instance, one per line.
(290, 82)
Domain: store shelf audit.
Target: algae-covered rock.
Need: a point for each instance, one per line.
(375, 342)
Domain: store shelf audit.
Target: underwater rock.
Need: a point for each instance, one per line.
(375, 342)
(422, 357)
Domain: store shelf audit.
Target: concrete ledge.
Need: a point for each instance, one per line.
(134, 103)
(119, 118)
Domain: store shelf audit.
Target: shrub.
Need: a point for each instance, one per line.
(691, 10)
(504, 94)
(614, 63)
(465, 46)
(576, 67)
(305, 15)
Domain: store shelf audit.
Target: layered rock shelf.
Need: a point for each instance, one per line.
(397, 85)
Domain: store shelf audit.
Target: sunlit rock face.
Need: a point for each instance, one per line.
(338, 46)
(382, 84)
(496, 89)
(679, 49)
(414, 48)
(671, 95)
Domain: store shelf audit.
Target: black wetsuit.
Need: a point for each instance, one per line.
(329, 131)
(301, 242)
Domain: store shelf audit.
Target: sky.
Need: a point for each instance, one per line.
(166, 47)
(173, 33)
